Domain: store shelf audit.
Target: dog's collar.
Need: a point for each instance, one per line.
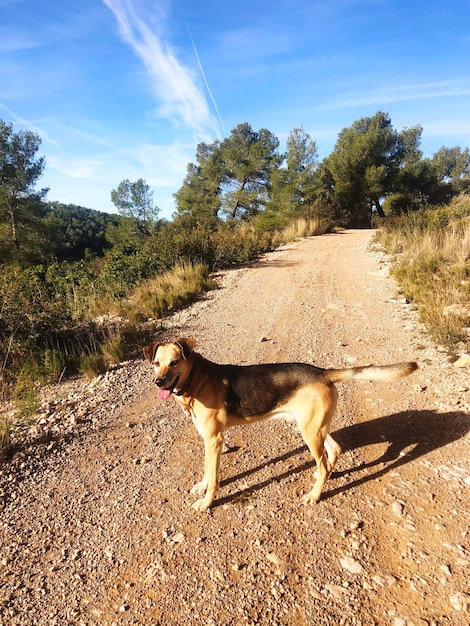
(187, 385)
(185, 396)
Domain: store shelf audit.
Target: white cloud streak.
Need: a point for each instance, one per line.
(181, 101)
(403, 93)
(33, 127)
(201, 69)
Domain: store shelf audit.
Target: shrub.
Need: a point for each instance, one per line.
(433, 267)
(5, 437)
(114, 349)
(171, 290)
(92, 365)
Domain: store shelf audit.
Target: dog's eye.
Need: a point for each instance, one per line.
(156, 363)
(173, 363)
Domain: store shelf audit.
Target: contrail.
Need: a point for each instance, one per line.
(205, 81)
(179, 97)
(32, 126)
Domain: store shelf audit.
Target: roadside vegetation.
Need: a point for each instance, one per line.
(432, 265)
(82, 290)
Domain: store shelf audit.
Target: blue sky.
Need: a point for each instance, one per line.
(127, 88)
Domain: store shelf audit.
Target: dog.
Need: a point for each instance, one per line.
(217, 397)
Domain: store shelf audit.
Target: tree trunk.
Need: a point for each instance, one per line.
(14, 234)
(379, 209)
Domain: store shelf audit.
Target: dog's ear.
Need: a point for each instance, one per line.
(186, 345)
(150, 350)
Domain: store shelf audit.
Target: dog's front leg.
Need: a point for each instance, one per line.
(200, 488)
(210, 481)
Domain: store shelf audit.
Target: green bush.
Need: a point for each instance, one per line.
(432, 267)
(92, 365)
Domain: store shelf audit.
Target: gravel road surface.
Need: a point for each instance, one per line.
(96, 524)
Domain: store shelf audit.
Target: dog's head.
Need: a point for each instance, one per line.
(172, 363)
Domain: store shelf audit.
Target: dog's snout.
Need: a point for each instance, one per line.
(160, 381)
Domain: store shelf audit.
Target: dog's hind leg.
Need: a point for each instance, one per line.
(314, 426)
(333, 451)
(212, 451)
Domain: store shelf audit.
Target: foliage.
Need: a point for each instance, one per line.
(433, 267)
(74, 232)
(21, 205)
(64, 266)
(134, 202)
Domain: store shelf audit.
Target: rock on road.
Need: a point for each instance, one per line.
(96, 526)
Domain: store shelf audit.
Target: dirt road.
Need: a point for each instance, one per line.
(97, 527)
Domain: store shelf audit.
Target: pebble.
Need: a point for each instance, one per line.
(397, 508)
(351, 565)
(463, 361)
(337, 591)
(460, 602)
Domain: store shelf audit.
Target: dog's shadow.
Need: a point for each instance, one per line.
(409, 435)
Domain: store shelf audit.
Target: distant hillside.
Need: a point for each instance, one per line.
(76, 231)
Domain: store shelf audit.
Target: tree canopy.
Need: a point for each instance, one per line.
(135, 205)
(231, 179)
(21, 205)
(374, 169)
(366, 164)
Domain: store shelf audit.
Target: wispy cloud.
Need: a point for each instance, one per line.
(402, 93)
(181, 100)
(32, 126)
(15, 40)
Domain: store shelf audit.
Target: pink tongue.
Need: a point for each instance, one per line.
(164, 394)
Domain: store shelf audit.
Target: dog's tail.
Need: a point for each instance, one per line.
(381, 373)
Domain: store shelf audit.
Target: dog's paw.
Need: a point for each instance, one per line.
(310, 498)
(201, 505)
(199, 489)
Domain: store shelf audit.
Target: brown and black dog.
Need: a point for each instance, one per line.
(217, 397)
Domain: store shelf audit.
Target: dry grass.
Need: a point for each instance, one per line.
(92, 365)
(433, 269)
(5, 440)
(114, 349)
(167, 292)
(301, 227)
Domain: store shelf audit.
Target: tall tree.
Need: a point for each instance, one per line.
(249, 158)
(200, 194)
(366, 164)
(134, 202)
(20, 203)
(292, 184)
(231, 178)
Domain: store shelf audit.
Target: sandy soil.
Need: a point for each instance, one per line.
(96, 525)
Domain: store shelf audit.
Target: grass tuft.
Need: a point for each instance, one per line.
(92, 365)
(432, 266)
(114, 349)
(5, 437)
(302, 227)
(170, 291)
